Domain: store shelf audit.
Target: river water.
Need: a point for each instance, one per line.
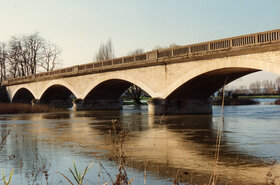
(158, 149)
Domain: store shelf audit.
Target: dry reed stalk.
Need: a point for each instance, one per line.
(214, 176)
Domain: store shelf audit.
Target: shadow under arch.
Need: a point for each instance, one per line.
(23, 95)
(117, 77)
(104, 96)
(109, 90)
(205, 84)
(58, 96)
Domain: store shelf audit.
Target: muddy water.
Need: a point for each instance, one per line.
(162, 147)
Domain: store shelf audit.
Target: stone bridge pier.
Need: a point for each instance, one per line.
(79, 104)
(159, 106)
(60, 104)
(156, 106)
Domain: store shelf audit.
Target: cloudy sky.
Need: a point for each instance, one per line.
(78, 27)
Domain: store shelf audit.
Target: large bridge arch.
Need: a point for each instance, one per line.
(234, 67)
(58, 96)
(23, 95)
(14, 92)
(118, 76)
(59, 82)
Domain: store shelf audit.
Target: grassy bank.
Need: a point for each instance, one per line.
(15, 108)
(241, 101)
(261, 96)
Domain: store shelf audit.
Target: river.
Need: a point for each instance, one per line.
(158, 149)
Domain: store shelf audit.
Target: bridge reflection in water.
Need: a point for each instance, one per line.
(167, 146)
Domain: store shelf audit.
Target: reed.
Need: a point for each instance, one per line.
(214, 176)
(17, 108)
(78, 176)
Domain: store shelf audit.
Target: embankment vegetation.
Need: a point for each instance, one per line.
(277, 102)
(17, 108)
(238, 101)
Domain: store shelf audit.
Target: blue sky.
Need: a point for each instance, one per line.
(79, 26)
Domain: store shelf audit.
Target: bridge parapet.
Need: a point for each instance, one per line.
(153, 57)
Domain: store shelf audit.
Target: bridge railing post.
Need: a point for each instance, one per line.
(156, 54)
(256, 39)
(76, 69)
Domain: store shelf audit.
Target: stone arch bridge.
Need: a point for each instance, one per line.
(180, 80)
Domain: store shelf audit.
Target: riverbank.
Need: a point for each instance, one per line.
(238, 101)
(260, 96)
(16, 108)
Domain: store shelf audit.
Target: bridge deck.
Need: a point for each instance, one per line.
(218, 48)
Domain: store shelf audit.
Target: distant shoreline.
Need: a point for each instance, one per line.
(231, 101)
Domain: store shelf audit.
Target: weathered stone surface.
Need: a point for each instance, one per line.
(177, 106)
(97, 105)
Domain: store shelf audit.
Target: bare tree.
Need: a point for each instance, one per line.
(173, 45)
(268, 86)
(29, 52)
(25, 52)
(258, 86)
(253, 88)
(241, 90)
(135, 92)
(50, 58)
(105, 51)
(136, 52)
(16, 62)
(33, 49)
(23, 55)
(3, 62)
(277, 84)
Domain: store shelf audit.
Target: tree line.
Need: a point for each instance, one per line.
(260, 87)
(26, 55)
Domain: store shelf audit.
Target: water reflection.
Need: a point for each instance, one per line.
(167, 146)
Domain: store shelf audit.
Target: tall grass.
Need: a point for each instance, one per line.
(17, 108)
(2, 143)
(214, 176)
(78, 176)
(118, 136)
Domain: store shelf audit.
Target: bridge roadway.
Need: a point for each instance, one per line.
(180, 80)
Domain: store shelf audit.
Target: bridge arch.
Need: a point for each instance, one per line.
(59, 82)
(23, 95)
(108, 90)
(218, 70)
(58, 96)
(125, 80)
